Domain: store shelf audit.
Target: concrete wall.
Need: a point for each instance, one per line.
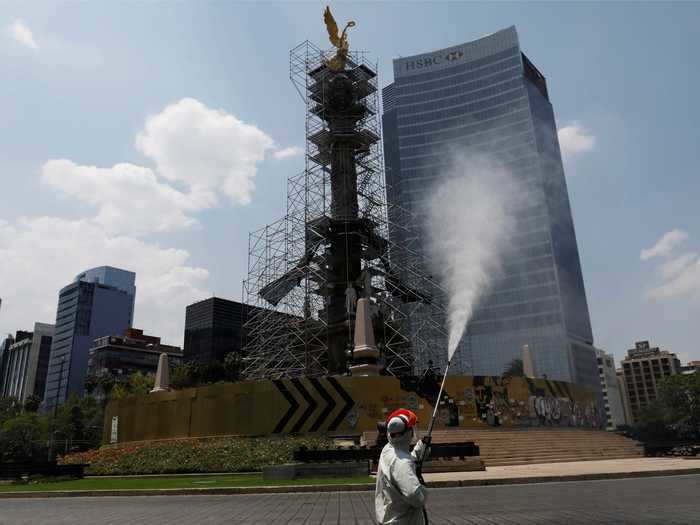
(344, 405)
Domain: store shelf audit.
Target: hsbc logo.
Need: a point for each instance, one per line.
(427, 62)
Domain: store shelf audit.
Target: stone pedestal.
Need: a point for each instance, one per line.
(365, 355)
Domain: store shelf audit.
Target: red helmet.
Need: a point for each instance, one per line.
(408, 418)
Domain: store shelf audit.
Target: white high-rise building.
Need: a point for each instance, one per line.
(614, 409)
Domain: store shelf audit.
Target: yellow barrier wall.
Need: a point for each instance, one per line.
(346, 405)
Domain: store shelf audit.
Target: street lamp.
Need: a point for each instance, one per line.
(55, 408)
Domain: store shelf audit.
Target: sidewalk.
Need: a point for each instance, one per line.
(579, 470)
(504, 475)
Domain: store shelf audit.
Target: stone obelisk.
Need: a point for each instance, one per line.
(162, 383)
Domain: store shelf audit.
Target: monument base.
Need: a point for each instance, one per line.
(454, 465)
(345, 469)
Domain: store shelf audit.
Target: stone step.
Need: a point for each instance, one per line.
(515, 453)
(590, 452)
(536, 460)
(597, 446)
(524, 446)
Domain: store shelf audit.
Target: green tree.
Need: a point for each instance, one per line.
(106, 383)
(23, 438)
(186, 375)
(120, 391)
(514, 368)
(32, 403)
(78, 423)
(196, 373)
(675, 415)
(680, 398)
(91, 384)
(211, 372)
(232, 366)
(10, 407)
(653, 423)
(140, 383)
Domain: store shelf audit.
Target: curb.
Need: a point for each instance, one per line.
(556, 479)
(277, 489)
(360, 487)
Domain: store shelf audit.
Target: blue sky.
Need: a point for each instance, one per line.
(119, 119)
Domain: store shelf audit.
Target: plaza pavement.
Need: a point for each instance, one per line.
(578, 470)
(668, 500)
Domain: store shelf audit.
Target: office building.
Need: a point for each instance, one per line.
(643, 370)
(213, 328)
(487, 98)
(27, 363)
(623, 394)
(612, 397)
(4, 351)
(129, 353)
(16, 368)
(98, 302)
(691, 367)
(7, 364)
(5, 377)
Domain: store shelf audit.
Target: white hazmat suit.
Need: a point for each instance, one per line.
(399, 497)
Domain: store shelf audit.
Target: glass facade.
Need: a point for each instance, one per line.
(213, 328)
(99, 302)
(485, 97)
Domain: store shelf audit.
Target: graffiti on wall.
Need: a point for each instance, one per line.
(497, 402)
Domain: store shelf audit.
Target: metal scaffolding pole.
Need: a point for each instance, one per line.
(337, 226)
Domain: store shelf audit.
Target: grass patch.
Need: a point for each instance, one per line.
(175, 482)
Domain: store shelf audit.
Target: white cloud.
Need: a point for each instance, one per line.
(574, 141)
(203, 152)
(129, 198)
(55, 50)
(285, 153)
(675, 267)
(665, 246)
(685, 282)
(20, 33)
(205, 149)
(42, 254)
(680, 274)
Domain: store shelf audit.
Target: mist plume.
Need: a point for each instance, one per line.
(470, 221)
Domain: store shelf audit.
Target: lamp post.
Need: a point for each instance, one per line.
(55, 408)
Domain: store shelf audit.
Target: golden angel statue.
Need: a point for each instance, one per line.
(337, 63)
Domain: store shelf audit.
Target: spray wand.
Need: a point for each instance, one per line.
(427, 438)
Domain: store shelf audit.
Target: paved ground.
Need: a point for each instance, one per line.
(578, 468)
(668, 500)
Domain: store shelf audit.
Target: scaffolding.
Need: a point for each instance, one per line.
(287, 326)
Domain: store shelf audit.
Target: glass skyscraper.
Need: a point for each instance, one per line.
(98, 302)
(486, 97)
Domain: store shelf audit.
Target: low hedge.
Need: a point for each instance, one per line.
(192, 455)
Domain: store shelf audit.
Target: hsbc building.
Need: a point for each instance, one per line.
(487, 97)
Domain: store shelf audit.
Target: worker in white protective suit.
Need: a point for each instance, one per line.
(399, 496)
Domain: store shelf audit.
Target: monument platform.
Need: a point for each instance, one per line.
(348, 406)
